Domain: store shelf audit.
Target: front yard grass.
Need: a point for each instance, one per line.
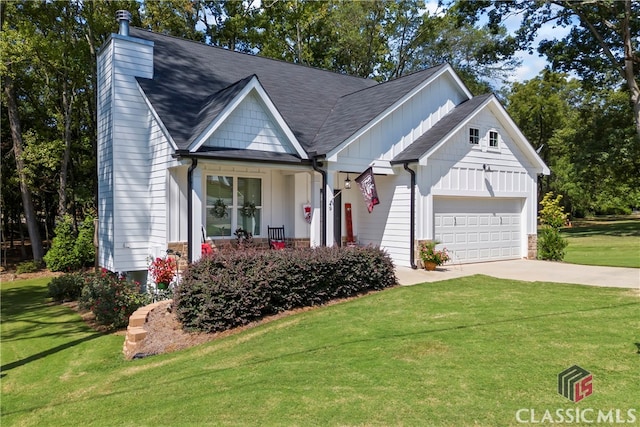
(614, 243)
(468, 351)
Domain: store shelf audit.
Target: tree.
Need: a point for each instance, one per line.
(601, 46)
(480, 56)
(175, 17)
(586, 137)
(544, 108)
(16, 51)
(233, 24)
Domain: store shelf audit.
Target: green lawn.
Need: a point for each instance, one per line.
(614, 243)
(468, 351)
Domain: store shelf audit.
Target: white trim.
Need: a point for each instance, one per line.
(253, 86)
(520, 140)
(445, 70)
(526, 145)
(155, 115)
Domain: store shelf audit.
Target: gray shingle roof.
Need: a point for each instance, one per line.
(440, 130)
(355, 110)
(193, 82)
(189, 75)
(253, 155)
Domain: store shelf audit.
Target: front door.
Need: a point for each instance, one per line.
(337, 217)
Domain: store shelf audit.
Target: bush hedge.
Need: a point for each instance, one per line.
(233, 288)
(27, 267)
(551, 245)
(67, 287)
(111, 298)
(71, 250)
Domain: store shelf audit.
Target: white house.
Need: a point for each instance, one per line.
(186, 130)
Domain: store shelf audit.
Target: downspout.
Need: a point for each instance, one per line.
(412, 219)
(194, 163)
(323, 209)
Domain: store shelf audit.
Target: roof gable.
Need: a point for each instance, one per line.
(189, 76)
(260, 127)
(356, 113)
(444, 129)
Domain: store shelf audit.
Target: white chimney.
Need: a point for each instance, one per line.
(123, 17)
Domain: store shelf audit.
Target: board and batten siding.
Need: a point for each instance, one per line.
(399, 129)
(250, 127)
(457, 169)
(387, 225)
(127, 139)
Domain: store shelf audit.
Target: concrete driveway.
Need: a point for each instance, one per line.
(530, 271)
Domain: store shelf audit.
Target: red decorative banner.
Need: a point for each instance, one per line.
(367, 185)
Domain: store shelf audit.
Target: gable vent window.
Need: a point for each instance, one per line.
(474, 136)
(493, 139)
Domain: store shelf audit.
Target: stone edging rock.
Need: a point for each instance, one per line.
(135, 331)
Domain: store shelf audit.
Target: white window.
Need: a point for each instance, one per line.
(493, 139)
(474, 136)
(232, 203)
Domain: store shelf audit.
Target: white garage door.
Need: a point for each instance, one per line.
(477, 229)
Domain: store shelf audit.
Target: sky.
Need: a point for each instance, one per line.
(532, 63)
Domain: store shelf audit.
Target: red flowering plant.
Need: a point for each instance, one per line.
(163, 270)
(112, 298)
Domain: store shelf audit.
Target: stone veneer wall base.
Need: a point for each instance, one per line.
(532, 246)
(136, 333)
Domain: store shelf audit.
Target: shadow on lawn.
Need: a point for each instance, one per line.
(165, 382)
(28, 305)
(46, 353)
(621, 228)
(22, 299)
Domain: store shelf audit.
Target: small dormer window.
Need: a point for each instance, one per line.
(474, 136)
(493, 139)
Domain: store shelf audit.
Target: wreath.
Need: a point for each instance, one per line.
(248, 209)
(220, 209)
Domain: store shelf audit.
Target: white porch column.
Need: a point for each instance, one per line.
(331, 205)
(316, 208)
(197, 214)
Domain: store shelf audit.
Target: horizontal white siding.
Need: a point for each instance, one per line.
(250, 127)
(387, 225)
(160, 152)
(177, 205)
(132, 136)
(105, 159)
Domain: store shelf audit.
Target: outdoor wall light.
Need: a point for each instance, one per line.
(347, 183)
(486, 168)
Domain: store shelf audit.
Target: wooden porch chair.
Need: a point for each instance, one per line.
(276, 237)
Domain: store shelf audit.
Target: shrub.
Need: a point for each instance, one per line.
(61, 256)
(552, 213)
(111, 298)
(71, 250)
(83, 249)
(233, 288)
(27, 267)
(551, 246)
(67, 287)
